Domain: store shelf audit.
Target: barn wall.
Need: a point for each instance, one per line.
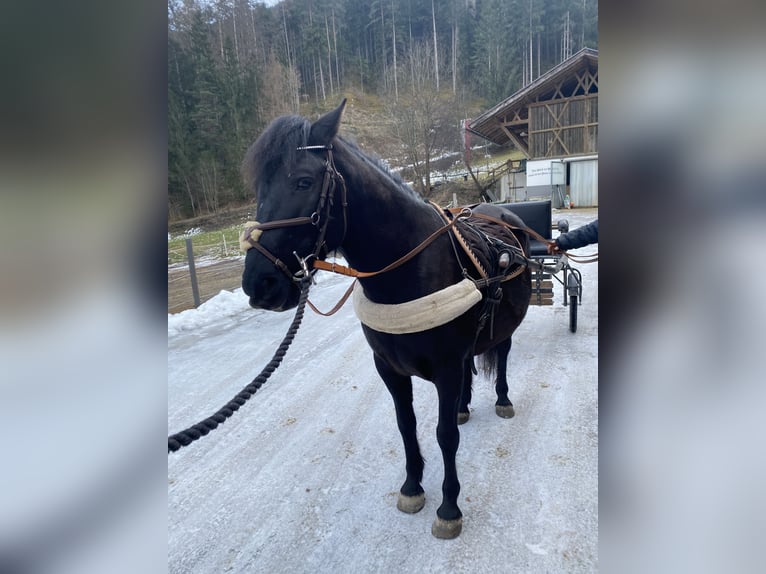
(583, 183)
(563, 127)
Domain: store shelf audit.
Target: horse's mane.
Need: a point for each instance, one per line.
(280, 140)
(278, 144)
(379, 165)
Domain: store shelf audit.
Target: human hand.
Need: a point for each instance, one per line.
(553, 249)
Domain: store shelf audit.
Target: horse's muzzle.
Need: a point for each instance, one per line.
(271, 303)
(260, 306)
(272, 293)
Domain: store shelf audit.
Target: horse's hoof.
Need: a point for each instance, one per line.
(505, 411)
(447, 529)
(462, 418)
(411, 504)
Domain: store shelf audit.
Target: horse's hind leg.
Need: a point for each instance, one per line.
(411, 495)
(465, 395)
(503, 406)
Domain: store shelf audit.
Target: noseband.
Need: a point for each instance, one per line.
(320, 219)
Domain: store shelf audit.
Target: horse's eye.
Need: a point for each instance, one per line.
(304, 183)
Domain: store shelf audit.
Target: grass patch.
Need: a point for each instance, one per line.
(206, 244)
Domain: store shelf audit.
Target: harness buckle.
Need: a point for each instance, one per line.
(304, 271)
(315, 217)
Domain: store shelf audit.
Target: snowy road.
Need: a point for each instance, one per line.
(304, 478)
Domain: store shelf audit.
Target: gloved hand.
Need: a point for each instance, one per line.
(553, 248)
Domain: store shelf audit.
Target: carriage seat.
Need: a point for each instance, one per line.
(537, 216)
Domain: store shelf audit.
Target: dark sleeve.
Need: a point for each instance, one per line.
(580, 237)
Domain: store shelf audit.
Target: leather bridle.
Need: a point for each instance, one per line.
(320, 218)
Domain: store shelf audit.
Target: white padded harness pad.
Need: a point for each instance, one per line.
(419, 315)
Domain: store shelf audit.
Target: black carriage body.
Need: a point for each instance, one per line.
(537, 215)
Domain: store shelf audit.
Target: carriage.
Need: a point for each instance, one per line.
(546, 267)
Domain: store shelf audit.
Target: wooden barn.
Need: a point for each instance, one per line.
(554, 122)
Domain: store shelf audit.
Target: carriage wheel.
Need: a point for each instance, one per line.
(574, 290)
(573, 313)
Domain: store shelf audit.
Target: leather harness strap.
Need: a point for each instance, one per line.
(278, 262)
(337, 306)
(576, 258)
(463, 243)
(351, 272)
(450, 225)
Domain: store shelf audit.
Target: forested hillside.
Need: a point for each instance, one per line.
(412, 69)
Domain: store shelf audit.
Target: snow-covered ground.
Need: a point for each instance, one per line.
(304, 478)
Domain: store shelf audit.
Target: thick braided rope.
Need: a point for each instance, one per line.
(197, 431)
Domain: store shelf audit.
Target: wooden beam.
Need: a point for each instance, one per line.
(558, 91)
(582, 81)
(517, 141)
(567, 127)
(516, 118)
(521, 122)
(557, 136)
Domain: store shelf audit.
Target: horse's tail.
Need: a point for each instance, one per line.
(487, 363)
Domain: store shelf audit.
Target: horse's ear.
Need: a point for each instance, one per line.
(326, 127)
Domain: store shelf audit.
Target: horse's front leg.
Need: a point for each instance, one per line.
(411, 496)
(503, 406)
(449, 519)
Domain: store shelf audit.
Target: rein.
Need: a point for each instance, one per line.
(351, 272)
(576, 258)
(321, 215)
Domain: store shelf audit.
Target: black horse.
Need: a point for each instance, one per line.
(318, 193)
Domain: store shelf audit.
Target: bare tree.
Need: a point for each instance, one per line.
(329, 53)
(393, 45)
(335, 46)
(415, 116)
(436, 48)
(279, 82)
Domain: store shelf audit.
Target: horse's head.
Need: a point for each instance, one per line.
(300, 207)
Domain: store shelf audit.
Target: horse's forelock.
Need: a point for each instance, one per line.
(276, 146)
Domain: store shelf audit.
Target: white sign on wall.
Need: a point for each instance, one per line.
(546, 172)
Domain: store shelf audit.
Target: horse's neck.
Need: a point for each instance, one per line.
(385, 223)
(383, 226)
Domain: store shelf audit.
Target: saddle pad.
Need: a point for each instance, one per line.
(484, 253)
(420, 314)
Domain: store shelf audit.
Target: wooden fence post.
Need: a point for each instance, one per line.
(192, 271)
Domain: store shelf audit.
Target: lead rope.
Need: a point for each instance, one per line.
(197, 431)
